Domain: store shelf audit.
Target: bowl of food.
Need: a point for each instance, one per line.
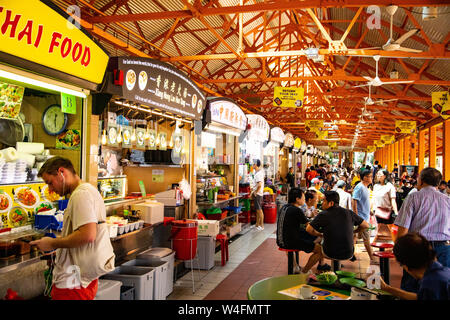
(327, 278)
(27, 197)
(18, 216)
(5, 202)
(45, 208)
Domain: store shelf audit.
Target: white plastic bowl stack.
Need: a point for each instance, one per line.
(20, 171)
(8, 172)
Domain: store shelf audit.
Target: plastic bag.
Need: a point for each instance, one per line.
(373, 225)
(185, 188)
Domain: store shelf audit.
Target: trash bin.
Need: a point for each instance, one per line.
(160, 278)
(163, 254)
(108, 290)
(206, 246)
(126, 293)
(140, 278)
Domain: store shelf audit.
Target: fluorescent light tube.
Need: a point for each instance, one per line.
(38, 83)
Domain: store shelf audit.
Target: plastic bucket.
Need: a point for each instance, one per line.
(270, 213)
(184, 238)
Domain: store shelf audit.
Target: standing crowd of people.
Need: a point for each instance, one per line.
(340, 205)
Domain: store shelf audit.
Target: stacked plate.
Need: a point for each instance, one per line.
(20, 175)
(13, 172)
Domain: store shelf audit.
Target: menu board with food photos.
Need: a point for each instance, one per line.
(152, 139)
(126, 136)
(162, 86)
(19, 203)
(140, 138)
(11, 97)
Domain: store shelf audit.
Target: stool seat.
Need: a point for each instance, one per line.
(384, 254)
(289, 250)
(223, 247)
(290, 253)
(168, 220)
(383, 245)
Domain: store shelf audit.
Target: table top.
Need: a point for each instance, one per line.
(382, 245)
(267, 289)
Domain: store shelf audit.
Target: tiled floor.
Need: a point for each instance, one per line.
(253, 257)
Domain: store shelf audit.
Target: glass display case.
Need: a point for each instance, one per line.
(112, 188)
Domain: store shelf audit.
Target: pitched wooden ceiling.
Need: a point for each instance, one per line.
(204, 39)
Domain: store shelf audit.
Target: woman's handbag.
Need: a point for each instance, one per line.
(383, 213)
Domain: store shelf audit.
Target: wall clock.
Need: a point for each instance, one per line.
(54, 121)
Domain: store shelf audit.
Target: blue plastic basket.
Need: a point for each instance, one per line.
(47, 223)
(233, 210)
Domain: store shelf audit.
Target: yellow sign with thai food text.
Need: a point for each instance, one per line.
(405, 126)
(290, 97)
(34, 31)
(440, 103)
(313, 125)
(387, 139)
(297, 143)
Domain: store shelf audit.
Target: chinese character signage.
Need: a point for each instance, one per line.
(291, 97)
(440, 103)
(162, 86)
(277, 135)
(228, 113)
(259, 128)
(289, 140)
(405, 126)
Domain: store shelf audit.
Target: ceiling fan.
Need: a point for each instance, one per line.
(368, 100)
(376, 82)
(395, 45)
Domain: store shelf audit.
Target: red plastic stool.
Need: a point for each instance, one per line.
(168, 220)
(223, 247)
(382, 245)
(291, 258)
(384, 263)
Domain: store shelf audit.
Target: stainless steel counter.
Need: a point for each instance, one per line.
(19, 261)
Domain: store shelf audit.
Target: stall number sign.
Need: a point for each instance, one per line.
(68, 103)
(405, 126)
(291, 97)
(441, 104)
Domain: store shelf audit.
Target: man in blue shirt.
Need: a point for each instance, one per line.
(361, 206)
(417, 257)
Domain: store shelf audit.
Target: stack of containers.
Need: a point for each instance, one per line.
(270, 208)
(244, 216)
(14, 172)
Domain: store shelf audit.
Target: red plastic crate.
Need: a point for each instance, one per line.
(218, 216)
(244, 217)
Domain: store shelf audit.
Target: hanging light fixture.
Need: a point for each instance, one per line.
(133, 135)
(104, 138)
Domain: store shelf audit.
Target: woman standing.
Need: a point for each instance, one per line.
(384, 202)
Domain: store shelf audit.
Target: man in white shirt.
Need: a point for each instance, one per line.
(345, 198)
(258, 192)
(84, 212)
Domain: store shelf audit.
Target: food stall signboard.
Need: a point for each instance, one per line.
(441, 104)
(313, 125)
(277, 135)
(297, 143)
(405, 126)
(387, 139)
(162, 86)
(259, 127)
(289, 140)
(291, 97)
(228, 113)
(37, 32)
(11, 97)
